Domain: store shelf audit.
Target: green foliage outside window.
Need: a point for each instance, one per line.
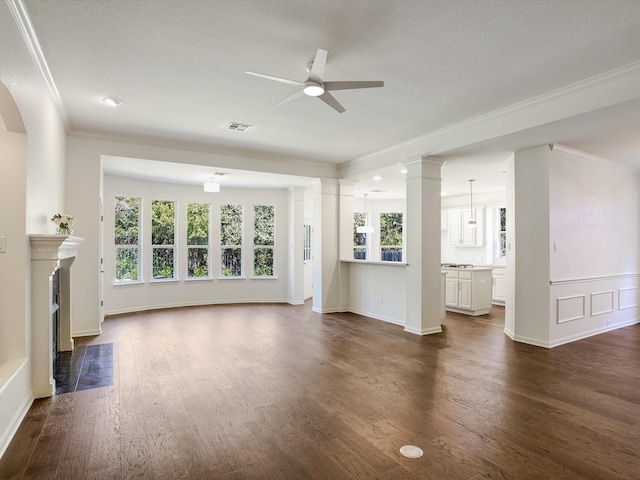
(263, 240)
(126, 238)
(359, 239)
(163, 238)
(391, 237)
(231, 240)
(198, 240)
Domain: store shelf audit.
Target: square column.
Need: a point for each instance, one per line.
(326, 247)
(295, 271)
(424, 290)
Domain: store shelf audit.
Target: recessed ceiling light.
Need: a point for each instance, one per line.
(404, 170)
(112, 101)
(443, 194)
(377, 178)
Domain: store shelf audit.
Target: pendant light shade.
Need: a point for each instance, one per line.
(211, 187)
(366, 228)
(472, 223)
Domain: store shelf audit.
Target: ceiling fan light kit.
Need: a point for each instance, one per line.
(315, 86)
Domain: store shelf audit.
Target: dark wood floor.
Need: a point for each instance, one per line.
(279, 392)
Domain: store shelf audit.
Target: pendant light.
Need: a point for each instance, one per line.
(472, 223)
(211, 187)
(366, 228)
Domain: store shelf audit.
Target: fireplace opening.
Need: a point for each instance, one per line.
(55, 317)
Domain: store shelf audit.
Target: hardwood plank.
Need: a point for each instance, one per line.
(280, 392)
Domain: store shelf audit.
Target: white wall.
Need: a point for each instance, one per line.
(594, 239)
(120, 298)
(31, 190)
(378, 291)
(477, 255)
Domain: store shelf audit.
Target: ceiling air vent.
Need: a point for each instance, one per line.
(378, 191)
(238, 127)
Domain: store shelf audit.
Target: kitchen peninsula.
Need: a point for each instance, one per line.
(468, 289)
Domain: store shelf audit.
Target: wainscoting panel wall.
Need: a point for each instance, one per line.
(612, 303)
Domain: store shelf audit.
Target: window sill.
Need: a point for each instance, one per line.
(198, 279)
(265, 277)
(241, 277)
(157, 281)
(128, 283)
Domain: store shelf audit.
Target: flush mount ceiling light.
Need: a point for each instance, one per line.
(366, 228)
(377, 178)
(111, 101)
(211, 187)
(472, 223)
(313, 89)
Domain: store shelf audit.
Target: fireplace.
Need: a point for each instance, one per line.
(51, 322)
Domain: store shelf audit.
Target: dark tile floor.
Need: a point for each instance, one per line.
(84, 368)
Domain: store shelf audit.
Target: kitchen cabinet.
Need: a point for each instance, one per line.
(499, 285)
(459, 232)
(468, 290)
(444, 220)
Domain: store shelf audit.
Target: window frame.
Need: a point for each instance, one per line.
(137, 247)
(169, 247)
(207, 246)
(361, 247)
(257, 247)
(392, 247)
(225, 247)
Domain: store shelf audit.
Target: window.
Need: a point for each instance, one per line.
(127, 239)
(231, 240)
(391, 237)
(307, 243)
(163, 219)
(197, 240)
(359, 239)
(263, 240)
(502, 232)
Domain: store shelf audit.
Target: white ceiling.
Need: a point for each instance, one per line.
(178, 66)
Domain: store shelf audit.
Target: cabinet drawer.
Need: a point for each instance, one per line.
(466, 275)
(451, 274)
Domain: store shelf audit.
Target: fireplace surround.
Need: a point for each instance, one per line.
(50, 254)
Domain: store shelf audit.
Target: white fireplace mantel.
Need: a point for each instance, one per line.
(48, 253)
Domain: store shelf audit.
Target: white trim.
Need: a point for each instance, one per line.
(570, 281)
(89, 333)
(23, 21)
(424, 331)
(591, 333)
(593, 294)
(20, 414)
(592, 158)
(375, 262)
(620, 290)
(144, 308)
(559, 300)
(377, 317)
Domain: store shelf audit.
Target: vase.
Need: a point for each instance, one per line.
(64, 231)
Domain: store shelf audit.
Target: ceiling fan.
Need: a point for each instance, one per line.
(314, 86)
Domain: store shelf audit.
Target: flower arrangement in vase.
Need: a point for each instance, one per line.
(63, 223)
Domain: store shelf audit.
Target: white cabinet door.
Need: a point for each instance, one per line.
(468, 235)
(451, 292)
(444, 220)
(464, 293)
(499, 287)
(454, 219)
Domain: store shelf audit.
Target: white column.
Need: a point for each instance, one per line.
(422, 226)
(346, 207)
(326, 263)
(527, 304)
(296, 241)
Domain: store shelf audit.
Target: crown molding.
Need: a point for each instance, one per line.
(600, 91)
(23, 21)
(556, 147)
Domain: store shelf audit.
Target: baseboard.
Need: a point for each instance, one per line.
(295, 302)
(191, 304)
(377, 317)
(21, 412)
(536, 342)
(325, 310)
(87, 333)
(424, 331)
(591, 333)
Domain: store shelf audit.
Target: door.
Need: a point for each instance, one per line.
(307, 274)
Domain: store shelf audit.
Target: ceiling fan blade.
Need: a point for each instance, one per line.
(299, 93)
(277, 79)
(330, 100)
(352, 85)
(317, 69)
